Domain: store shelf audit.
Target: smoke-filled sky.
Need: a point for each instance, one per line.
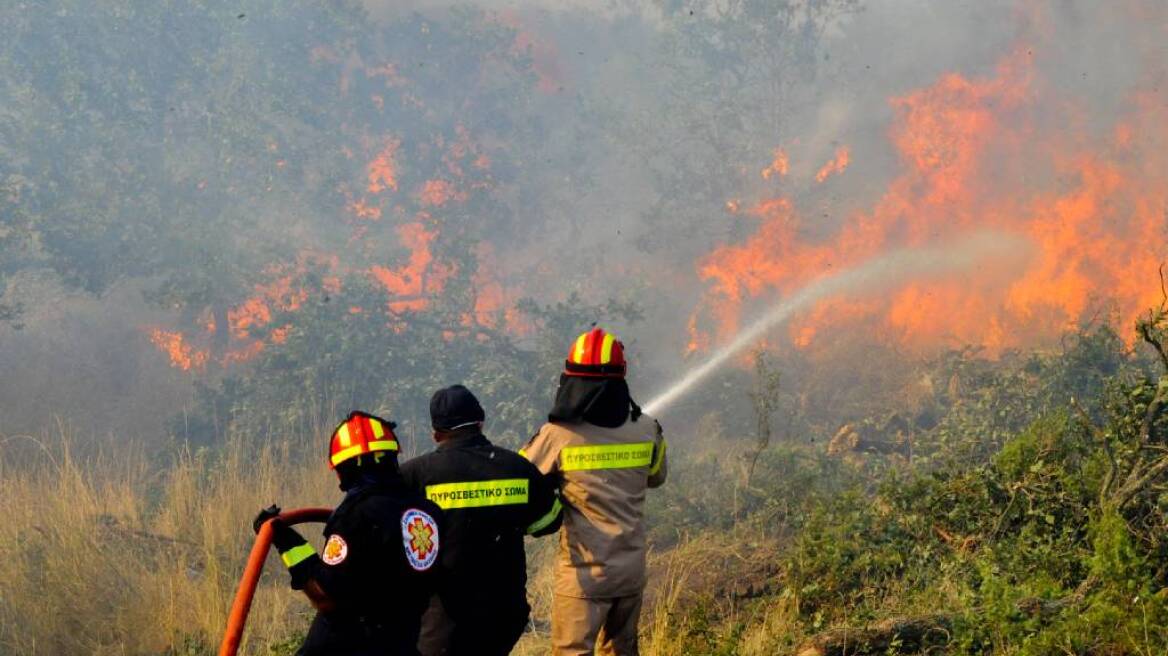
(700, 160)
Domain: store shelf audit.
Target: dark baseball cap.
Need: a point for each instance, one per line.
(454, 407)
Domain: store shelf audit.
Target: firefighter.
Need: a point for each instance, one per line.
(372, 582)
(490, 498)
(605, 453)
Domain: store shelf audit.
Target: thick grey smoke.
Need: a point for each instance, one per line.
(657, 116)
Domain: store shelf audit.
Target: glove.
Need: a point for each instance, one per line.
(265, 514)
(293, 548)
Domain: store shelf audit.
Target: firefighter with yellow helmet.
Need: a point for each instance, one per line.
(374, 577)
(605, 453)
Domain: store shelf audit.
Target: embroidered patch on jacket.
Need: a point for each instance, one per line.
(335, 550)
(420, 537)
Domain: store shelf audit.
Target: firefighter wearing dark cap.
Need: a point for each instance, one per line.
(605, 453)
(491, 498)
(373, 579)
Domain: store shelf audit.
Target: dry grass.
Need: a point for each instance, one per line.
(112, 554)
(107, 555)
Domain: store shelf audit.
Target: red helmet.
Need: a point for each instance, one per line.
(596, 354)
(361, 433)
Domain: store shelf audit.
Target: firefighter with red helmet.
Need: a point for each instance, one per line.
(605, 453)
(373, 579)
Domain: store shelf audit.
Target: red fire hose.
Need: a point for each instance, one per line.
(251, 574)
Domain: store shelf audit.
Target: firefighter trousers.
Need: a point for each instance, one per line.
(607, 627)
(491, 631)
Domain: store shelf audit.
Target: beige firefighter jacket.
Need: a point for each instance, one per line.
(603, 475)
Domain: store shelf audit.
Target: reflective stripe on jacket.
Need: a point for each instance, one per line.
(491, 498)
(603, 475)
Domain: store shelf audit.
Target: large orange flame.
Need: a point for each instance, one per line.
(975, 154)
(411, 285)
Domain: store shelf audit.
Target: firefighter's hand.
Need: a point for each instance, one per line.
(265, 514)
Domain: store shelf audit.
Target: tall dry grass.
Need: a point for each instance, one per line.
(109, 554)
(105, 551)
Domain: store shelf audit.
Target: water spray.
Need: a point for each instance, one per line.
(882, 270)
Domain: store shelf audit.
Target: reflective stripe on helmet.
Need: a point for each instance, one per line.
(478, 494)
(596, 353)
(297, 555)
(359, 434)
(606, 456)
(606, 348)
(356, 450)
(581, 348)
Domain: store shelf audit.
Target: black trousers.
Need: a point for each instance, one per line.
(340, 638)
(490, 628)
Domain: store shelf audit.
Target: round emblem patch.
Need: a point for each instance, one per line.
(420, 537)
(335, 550)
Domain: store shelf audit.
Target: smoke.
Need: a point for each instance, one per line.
(641, 167)
(866, 278)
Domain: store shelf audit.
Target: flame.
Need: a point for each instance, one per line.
(253, 312)
(836, 165)
(411, 284)
(493, 298)
(436, 193)
(974, 153)
(460, 166)
(382, 171)
(778, 166)
(280, 335)
(545, 57)
(182, 355)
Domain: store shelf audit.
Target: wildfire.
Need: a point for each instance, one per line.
(493, 298)
(436, 193)
(182, 354)
(778, 166)
(457, 166)
(411, 284)
(382, 171)
(975, 154)
(836, 165)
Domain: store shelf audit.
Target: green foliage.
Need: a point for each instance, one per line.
(1031, 517)
(1023, 548)
(335, 360)
(981, 403)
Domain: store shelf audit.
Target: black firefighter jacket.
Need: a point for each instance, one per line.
(379, 566)
(490, 497)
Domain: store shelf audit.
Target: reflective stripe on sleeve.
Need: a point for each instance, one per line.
(606, 456)
(297, 555)
(543, 522)
(658, 458)
(478, 494)
(523, 453)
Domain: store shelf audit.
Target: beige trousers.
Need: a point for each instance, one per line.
(608, 626)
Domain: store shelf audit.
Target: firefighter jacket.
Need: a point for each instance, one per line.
(491, 498)
(603, 474)
(378, 567)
